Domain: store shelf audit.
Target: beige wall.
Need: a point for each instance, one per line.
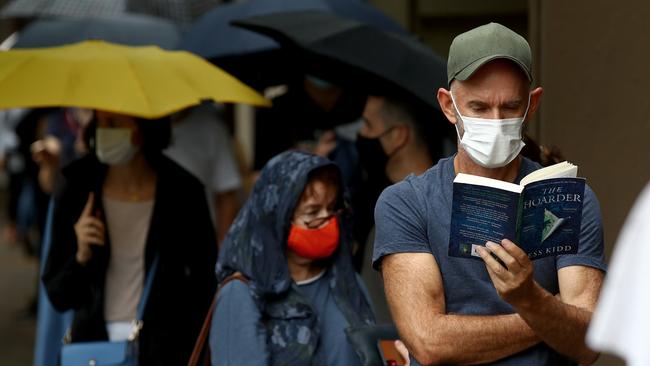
(592, 62)
(438, 22)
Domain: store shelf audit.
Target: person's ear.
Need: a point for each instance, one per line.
(535, 99)
(447, 105)
(398, 138)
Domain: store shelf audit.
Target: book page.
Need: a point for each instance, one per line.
(487, 182)
(559, 170)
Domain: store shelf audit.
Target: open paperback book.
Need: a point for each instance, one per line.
(542, 214)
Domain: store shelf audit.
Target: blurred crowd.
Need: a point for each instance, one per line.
(104, 201)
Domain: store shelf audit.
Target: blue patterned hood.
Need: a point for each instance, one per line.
(255, 246)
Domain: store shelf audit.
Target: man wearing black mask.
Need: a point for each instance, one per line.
(399, 136)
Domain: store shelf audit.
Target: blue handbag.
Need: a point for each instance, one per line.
(107, 353)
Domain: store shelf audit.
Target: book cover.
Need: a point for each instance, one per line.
(551, 214)
(543, 217)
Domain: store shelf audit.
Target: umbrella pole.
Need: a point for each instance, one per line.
(245, 132)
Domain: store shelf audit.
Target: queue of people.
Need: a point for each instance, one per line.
(337, 235)
(116, 210)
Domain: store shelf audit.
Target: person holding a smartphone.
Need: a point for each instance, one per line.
(115, 210)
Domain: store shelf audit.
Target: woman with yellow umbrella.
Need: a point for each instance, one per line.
(133, 248)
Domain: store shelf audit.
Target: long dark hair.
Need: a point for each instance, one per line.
(541, 154)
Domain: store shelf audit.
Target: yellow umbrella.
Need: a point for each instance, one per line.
(139, 81)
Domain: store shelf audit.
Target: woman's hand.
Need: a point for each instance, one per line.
(89, 231)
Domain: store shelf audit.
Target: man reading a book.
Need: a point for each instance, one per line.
(503, 308)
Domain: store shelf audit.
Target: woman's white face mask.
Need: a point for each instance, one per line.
(114, 146)
(491, 143)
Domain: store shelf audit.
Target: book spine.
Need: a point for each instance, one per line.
(520, 214)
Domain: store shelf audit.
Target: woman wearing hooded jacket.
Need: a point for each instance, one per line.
(291, 241)
(114, 212)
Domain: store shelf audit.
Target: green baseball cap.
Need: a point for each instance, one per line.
(474, 48)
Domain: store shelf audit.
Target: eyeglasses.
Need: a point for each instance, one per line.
(317, 222)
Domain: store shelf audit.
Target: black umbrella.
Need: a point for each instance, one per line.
(351, 51)
(213, 37)
(256, 59)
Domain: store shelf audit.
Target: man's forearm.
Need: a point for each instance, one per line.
(562, 326)
(433, 335)
(463, 339)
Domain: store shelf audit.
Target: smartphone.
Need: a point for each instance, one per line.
(389, 354)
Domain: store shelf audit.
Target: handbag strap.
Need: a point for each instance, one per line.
(147, 288)
(137, 323)
(205, 329)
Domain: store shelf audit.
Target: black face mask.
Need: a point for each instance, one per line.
(372, 157)
(373, 161)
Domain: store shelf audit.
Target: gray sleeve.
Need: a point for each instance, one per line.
(400, 223)
(591, 248)
(237, 335)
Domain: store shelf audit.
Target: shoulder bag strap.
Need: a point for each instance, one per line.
(142, 304)
(198, 353)
(137, 322)
(147, 288)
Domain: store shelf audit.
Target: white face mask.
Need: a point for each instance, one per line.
(491, 143)
(113, 145)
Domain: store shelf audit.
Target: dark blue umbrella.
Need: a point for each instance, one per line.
(178, 11)
(181, 12)
(62, 8)
(128, 29)
(213, 37)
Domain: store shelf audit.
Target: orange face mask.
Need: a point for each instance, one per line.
(315, 243)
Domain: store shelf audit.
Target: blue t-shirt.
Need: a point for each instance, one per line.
(238, 336)
(414, 216)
